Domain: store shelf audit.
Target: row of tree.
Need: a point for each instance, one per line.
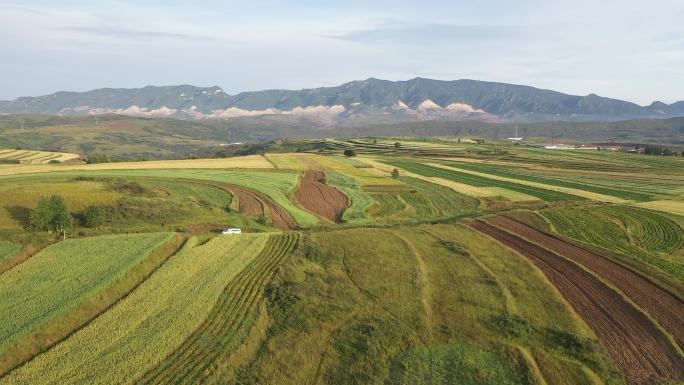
(52, 215)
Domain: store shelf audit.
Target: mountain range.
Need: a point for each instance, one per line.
(357, 103)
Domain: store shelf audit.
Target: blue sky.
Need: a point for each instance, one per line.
(632, 50)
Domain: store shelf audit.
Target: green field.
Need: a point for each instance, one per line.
(59, 278)
(633, 232)
(478, 181)
(406, 289)
(155, 312)
(7, 251)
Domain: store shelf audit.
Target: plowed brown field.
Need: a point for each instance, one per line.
(666, 308)
(638, 347)
(256, 203)
(316, 196)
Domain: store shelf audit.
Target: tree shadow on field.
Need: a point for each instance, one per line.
(20, 214)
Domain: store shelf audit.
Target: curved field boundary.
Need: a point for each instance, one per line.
(59, 329)
(255, 203)
(63, 276)
(227, 324)
(606, 227)
(666, 308)
(638, 347)
(148, 324)
(316, 196)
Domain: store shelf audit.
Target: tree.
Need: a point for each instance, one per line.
(52, 214)
(397, 145)
(395, 173)
(94, 216)
(349, 153)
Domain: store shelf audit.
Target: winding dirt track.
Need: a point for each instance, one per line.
(638, 347)
(256, 203)
(666, 308)
(316, 196)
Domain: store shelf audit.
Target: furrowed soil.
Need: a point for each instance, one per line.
(637, 346)
(316, 196)
(666, 308)
(256, 203)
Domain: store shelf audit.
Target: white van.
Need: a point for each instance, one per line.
(231, 231)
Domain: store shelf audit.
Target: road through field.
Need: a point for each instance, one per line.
(638, 347)
(667, 309)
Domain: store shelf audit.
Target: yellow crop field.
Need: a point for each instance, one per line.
(287, 161)
(36, 157)
(242, 162)
(674, 207)
(149, 324)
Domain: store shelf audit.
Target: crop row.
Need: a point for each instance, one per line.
(479, 181)
(506, 172)
(150, 323)
(604, 228)
(62, 276)
(227, 324)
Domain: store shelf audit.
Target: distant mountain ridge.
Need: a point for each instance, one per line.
(355, 103)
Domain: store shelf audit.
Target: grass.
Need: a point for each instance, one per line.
(229, 321)
(360, 201)
(632, 232)
(479, 181)
(7, 251)
(150, 323)
(458, 363)
(62, 276)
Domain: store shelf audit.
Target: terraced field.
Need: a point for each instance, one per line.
(633, 232)
(316, 196)
(479, 181)
(150, 323)
(228, 323)
(35, 157)
(476, 264)
(633, 340)
(42, 292)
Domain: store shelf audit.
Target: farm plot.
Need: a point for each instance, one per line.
(524, 182)
(36, 157)
(258, 204)
(666, 308)
(17, 197)
(275, 184)
(359, 200)
(480, 181)
(316, 196)
(151, 323)
(520, 173)
(624, 230)
(64, 275)
(227, 324)
(642, 350)
(365, 176)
